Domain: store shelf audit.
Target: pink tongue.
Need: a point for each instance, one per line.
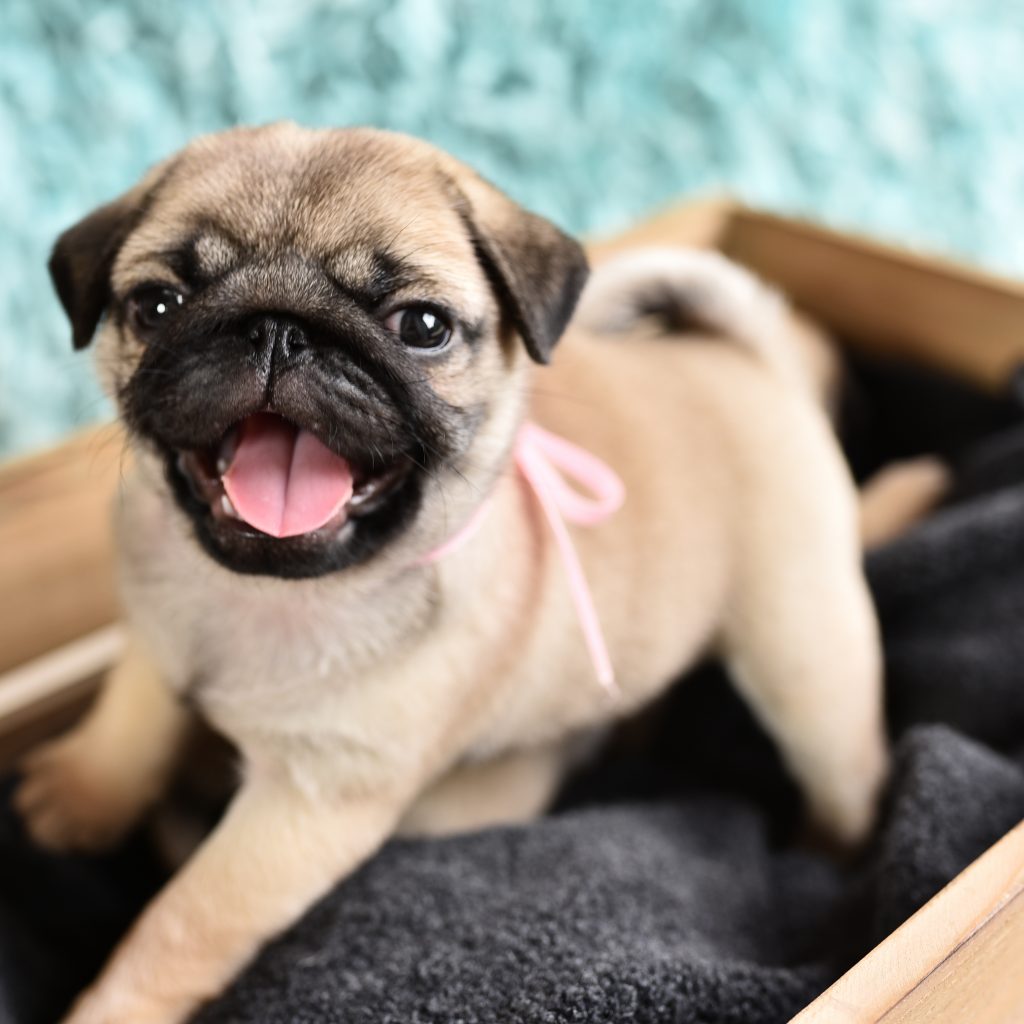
(282, 480)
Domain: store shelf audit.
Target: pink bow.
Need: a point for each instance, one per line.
(543, 458)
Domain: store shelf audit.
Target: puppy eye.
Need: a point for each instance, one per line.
(152, 306)
(419, 327)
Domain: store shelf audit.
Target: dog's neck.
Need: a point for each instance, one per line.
(542, 458)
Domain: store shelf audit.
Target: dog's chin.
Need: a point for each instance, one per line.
(384, 502)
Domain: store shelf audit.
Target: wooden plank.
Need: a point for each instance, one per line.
(56, 550)
(958, 960)
(701, 223)
(879, 297)
(44, 695)
(886, 300)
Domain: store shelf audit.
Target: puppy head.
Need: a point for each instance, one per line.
(319, 335)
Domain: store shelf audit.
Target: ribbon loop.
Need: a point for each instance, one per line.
(606, 490)
(540, 456)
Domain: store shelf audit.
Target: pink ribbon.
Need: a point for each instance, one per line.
(545, 461)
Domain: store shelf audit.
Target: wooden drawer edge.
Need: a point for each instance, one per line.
(959, 958)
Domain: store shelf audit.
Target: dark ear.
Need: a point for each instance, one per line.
(537, 270)
(82, 259)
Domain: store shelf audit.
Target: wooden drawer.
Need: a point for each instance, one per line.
(961, 957)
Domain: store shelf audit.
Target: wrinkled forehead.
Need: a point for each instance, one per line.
(365, 210)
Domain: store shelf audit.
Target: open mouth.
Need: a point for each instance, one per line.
(268, 475)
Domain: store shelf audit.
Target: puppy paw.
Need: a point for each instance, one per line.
(899, 495)
(845, 815)
(69, 800)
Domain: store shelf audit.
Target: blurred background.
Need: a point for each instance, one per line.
(900, 118)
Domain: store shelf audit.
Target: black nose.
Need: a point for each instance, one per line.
(275, 338)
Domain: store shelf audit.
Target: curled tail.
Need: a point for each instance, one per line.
(702, 291)
(695, 290)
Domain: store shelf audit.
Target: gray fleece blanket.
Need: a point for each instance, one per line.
(670, 884)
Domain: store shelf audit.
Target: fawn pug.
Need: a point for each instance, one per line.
(324, 346)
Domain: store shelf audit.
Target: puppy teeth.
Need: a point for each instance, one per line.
(227, 508)
(226, 454)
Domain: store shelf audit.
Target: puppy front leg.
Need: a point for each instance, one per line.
(275, 852)
(85, 789)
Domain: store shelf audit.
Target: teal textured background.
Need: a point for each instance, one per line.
(904, 118)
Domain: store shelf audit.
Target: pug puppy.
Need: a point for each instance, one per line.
(323, 345)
